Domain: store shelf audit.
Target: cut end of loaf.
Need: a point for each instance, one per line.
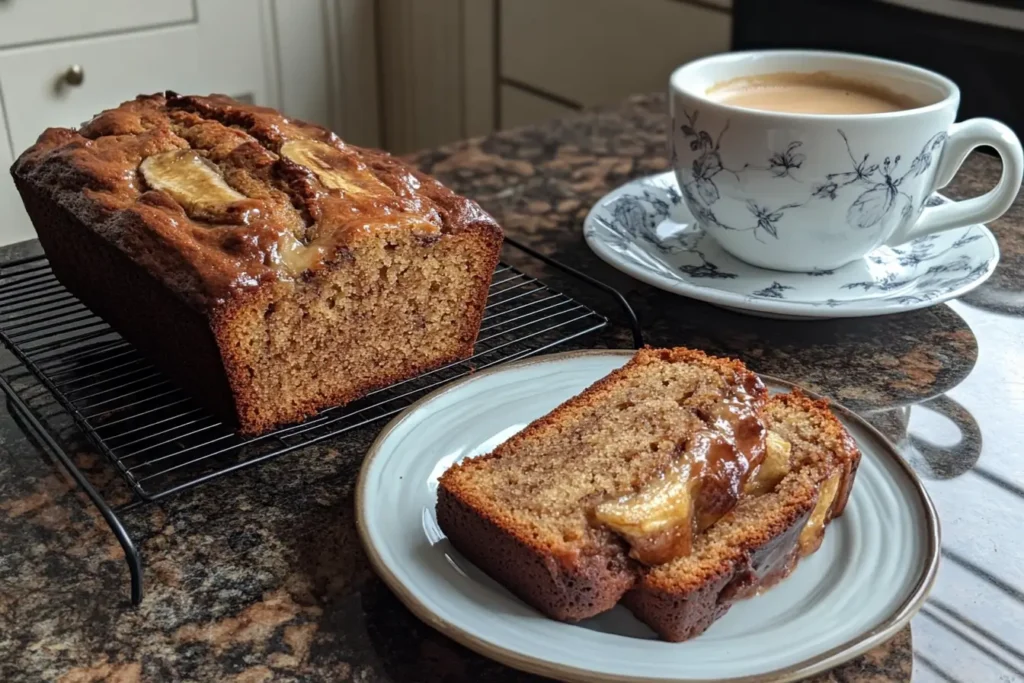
(390, 311)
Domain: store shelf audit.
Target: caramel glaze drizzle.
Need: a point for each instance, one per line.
(701, 485)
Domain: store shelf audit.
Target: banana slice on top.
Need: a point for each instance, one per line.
(190, 179)
(335, 169)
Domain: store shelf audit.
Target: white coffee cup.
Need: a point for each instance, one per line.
(805, 192)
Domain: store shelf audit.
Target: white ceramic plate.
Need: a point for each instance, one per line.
(870, 576)
(645, 230)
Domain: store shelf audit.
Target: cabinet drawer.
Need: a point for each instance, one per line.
(191, 58)
(618, 47)
(30, 21)
(37, 93)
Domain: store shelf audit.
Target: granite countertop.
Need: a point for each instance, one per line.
(260, 576)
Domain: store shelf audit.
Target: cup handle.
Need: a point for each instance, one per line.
(963, 138)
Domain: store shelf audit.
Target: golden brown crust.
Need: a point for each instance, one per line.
(761, 560)
(644, 356)
(133, 302)
(207, 259)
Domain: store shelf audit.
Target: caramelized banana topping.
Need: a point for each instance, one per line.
(734, 456)
(814, 531)
(191, 180)
(773, 468)
(335, 169)
(657, 520)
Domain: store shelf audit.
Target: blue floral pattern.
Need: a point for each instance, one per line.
(879, 183)
(783, 164)
(773, 291)
(647, 225)
(637, 217)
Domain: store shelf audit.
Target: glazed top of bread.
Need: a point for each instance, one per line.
(233, 196)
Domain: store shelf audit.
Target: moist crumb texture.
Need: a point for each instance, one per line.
(268, 267)
(527, 512)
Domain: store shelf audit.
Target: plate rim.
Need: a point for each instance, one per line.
(854, 647)
(743, 303)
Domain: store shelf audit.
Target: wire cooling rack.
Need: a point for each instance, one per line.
(161, 441)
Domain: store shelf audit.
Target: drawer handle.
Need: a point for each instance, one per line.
(74, 75)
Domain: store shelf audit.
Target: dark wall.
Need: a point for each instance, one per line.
(987, 62)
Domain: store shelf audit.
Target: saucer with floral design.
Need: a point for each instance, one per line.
(645, 230)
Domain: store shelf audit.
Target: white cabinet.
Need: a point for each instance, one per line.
(599, 51)
(63, 61)
(302, 87)
(237, 50)
(460, 68)
(37, 94)
(31, 21)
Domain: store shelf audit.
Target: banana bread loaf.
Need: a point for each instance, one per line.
(675, 485)
(266, 266)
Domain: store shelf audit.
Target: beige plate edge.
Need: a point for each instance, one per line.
(823, 662)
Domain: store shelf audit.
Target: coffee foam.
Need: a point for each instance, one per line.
(818, 92)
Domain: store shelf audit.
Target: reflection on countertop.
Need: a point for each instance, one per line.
(260, 576)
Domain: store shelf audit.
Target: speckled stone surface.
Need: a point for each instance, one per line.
(260, 576)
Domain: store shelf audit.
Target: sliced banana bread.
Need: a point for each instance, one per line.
(674, 482)
(524, 513)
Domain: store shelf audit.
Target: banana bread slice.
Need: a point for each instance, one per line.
(674, 483)
(524, 513)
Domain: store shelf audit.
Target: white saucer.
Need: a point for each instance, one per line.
(644, 229)
(870, 576)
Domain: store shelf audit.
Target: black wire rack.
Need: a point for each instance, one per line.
(68, 360)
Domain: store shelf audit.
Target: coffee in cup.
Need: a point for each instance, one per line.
(805, 161)
(818, 92)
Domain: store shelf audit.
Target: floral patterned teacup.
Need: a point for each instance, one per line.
(807, 192)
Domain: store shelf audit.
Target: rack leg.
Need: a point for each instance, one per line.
(21, 412)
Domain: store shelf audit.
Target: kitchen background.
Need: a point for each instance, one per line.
(409, 74)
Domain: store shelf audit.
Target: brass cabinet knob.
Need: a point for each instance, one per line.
(74, 75)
